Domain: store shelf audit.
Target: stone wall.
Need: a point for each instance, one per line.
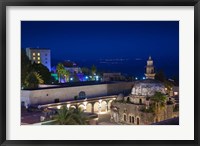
(44, 96)
(132, 110)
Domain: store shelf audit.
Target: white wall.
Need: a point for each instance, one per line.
(43, 96)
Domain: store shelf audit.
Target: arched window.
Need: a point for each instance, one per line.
(140, 101)
(124, 118)
(82, 94)
(138, 121)
(133, 119)
(130, 119)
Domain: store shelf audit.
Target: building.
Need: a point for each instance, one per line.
(139, 108)
(150, 74)
(40, 55)
(112, 77)
(63, 93)
(74, 70)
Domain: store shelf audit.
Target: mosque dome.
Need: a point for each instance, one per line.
(148, 87)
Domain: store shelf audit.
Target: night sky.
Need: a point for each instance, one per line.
(86, 42)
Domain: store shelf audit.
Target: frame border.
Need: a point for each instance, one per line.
(5, 3)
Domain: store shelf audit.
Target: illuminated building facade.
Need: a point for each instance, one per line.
(40, 55)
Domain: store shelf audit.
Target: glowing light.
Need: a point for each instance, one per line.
(86, 77)
(97, 78)
(175, 93)
(59, 106)
(85, 103)
(71, 79)
(143, 78)
(136, 78)
(68, 105)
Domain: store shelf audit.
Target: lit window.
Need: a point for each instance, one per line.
(38, 62)
(38, 54)
(33, 54)
(38, 58)
(33, 58)
(175, 93)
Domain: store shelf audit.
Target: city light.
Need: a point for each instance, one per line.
(136, 78)
(97, 78)
(143, 78)
(71, 79)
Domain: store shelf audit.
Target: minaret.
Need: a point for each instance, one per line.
(150, 74)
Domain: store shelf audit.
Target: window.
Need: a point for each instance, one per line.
(45, 54)
(38, 58)
(130, 119)
(138, 121)
(38, 62)
(56, 100)
(133, 120)
(124, 118)
(38, 54)
(33, 54)
(140, 101)
(46, 62)
(33, 58)
(82, 94)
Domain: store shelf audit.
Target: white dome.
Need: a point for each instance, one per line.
(148, 87)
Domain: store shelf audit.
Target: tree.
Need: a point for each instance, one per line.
(60, 70)
(76, 78)
(93, 70)
(158, 103)
(33, 79)
(85, 70)
(65, 116)
(79, 117)
(66, 74)
(43, 71)
(71, 116)
(25, 67)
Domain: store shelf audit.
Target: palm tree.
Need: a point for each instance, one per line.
(33, 79)
(93, 70)
(66, 73)
(158, 103)
(60, 70)
(79, 117)
(70, 116)
(65, 116)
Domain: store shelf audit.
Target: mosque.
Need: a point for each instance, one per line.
(136, 108)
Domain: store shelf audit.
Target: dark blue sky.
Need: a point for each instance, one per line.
(94, 40)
